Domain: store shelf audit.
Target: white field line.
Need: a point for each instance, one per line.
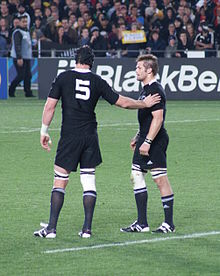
(108, 245)
(27, 130)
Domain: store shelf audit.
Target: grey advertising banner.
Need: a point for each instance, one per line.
(183, 79)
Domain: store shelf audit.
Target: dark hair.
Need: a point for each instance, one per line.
(150, 61)
(183, 32)
(84, 55)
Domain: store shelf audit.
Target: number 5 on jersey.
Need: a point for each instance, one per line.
(83, 89)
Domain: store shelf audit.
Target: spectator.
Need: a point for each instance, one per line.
(4, 13)
(156, 45)
(124, 51)
(12, 6)
(217, 22)
(204, 13)
(70, 33)
(37, 28)
(35, 4)
(116, 48)
(38, 12)
(84, 39)
(98, 43)
(47, 13)
(120, 21)
(105, 6)
(80, 24)
(71, 7)
(183, 45)
(112, 13)
(184, 3)
(113, 40)
(205, 41)
(88, 19)
(178, 25)
(98, 10)
(189, 12)
(103, 23)
(83, 8)
(186, 20)
(3, 46)
(169, 17)
(22, 12)
(134, 48)
(119, 13)
(61, 37)
(166, 33)
(140, 7)
(165, 4)
(171, 49)
(72, 21)
(52, 22)
(124, 12)
(191, 34)
(172, 30)
(54, 7)
(34, 42)
(14, 25)
(4, 30)
(180, 12)
(153, 12)
(133, 14)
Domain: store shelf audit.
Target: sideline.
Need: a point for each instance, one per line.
(108, 245)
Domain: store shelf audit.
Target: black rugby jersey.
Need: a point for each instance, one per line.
(144, 115)
(79, 91)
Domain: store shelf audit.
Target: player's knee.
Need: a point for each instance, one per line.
(61, 176)
(87, 179)
(137, 180)
(157, 174)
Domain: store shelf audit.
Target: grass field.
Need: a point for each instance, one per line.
(26, 182)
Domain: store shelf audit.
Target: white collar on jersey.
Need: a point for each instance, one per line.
(152, 81)
(81, 70)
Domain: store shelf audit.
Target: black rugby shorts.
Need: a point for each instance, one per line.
(83, 150)
(157, 153)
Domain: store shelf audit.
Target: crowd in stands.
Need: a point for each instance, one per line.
(171, 27)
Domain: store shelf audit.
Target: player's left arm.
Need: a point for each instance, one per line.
(155, 126)
(47, 117)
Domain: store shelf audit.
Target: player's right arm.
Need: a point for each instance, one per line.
(125, 102)
(47, 117)
(128, 103)
(49, 109)
(134, 140)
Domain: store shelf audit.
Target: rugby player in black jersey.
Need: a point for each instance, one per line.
(150, 146)
(79, 91)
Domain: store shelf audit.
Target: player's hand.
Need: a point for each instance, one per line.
(151, 100)
(45, 142)
(20, 62)
(133, 144)
(144, 149)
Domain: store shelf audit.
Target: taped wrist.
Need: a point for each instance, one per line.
(148, 141)
(44, 130)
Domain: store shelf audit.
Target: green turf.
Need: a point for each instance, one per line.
(26, 181)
